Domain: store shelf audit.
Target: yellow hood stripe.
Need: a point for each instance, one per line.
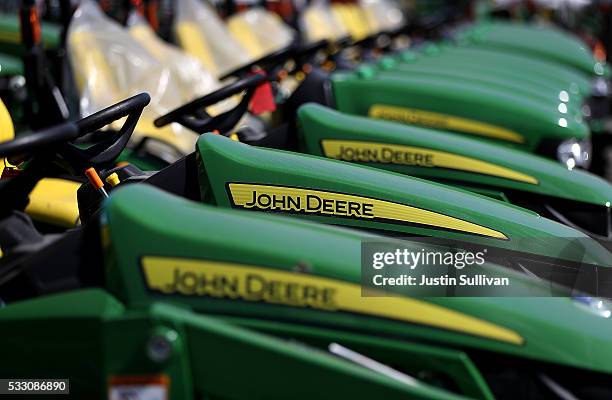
(386, 153)
(203, 278)
(317, 202)
(447, 122)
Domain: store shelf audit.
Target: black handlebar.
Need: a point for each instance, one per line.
(39, 140)
(100, 154)
(15, 192)
(105, 152)
(273, 59)
(193, 116)
(131, 107)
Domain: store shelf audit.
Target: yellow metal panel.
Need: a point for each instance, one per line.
(54, 201)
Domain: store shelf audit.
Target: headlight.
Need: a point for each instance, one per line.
(596, 305)
(575, 153)
(601, 87)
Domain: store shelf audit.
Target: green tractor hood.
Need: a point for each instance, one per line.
(486, 59)
(482, 167)
(532, 40)
(235, 175)
(488, 113)
(300, 280)
(549, 93)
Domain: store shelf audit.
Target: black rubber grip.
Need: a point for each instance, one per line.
(223, 93)
(39, 140)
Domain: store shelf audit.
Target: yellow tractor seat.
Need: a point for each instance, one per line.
(109, 68)
(204, 35)
(354, 20)
(260, 31)
(320, 23)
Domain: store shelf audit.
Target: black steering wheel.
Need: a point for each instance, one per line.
(269, 60)
(193, 116)
(54, 144)
(110, 145)
(39, 141)
(99, 155)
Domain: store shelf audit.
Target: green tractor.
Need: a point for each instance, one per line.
(536, 89)
(572, 197)
(182, 299)
(483, 101)
(506, 98)
(229, 174)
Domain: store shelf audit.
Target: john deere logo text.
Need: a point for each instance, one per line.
(395, 154)
(199, 279)
(431, 119)
(330, 204)
(377, 153)
(310, 203)
(224, 280)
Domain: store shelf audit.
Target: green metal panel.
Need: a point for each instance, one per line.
(319, 123)
(274, 243)
(58, 337)
(410, 356)
(529, 120)
(542, 69)
(509, 80)
(224, 161)
(88, 337)
(545, 42)
(493, 64)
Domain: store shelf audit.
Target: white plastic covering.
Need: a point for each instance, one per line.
(259, 31)
(318, 22)
(189, 75)
(383, 15)
(353, 18)
(204, 35)
(110, 64)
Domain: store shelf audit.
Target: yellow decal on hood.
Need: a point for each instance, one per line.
(323, 203)
(221, 280)
(385, 153)
(443, 121)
